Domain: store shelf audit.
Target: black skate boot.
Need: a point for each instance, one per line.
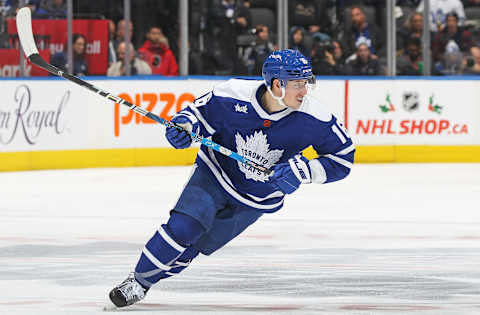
(127, 293)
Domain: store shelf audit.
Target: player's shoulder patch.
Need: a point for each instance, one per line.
(315, 108)
(238, 89)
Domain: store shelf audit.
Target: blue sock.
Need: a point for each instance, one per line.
(168, 252)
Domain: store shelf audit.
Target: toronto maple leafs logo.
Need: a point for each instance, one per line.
(256, 149)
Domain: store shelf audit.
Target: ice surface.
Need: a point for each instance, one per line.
(390, 239)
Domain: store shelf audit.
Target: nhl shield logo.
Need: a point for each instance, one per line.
(410, 101)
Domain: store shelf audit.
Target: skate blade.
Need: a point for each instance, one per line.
(111, 308)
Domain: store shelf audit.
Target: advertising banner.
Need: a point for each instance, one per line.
(56, 114)
(10, 64)
(163, 98)
(53, 123)
(331, 94)
(52, 35)
(40, 115)
(414, 112)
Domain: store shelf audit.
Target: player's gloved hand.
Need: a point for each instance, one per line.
(288, 176)
(177, 138)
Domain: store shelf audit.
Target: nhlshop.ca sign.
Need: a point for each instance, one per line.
(409, 127)
(413, 112)
(410, 103)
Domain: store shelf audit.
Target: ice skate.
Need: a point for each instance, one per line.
(127, 293)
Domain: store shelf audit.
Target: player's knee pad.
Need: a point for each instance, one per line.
(184, 229)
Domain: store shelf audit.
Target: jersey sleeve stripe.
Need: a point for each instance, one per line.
(207, 126)
(319, 175)
(189, 115)
(346, 150)
(343, 162)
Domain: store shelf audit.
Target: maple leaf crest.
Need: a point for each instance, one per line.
(256, 149)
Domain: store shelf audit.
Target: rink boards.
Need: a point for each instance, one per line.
(53, 123)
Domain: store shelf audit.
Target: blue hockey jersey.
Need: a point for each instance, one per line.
(233, 117)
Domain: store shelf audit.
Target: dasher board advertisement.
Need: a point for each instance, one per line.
(416, 112)
(58, 115)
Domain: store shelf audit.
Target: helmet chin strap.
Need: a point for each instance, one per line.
(279, 99)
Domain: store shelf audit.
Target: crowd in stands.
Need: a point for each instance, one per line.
(232, 37)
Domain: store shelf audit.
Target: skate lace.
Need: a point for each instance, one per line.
(131, 290)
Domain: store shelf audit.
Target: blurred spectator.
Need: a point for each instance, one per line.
(157, 54)
(471, 3)
(119, 38)
(261, 4)
(51, 9)
(451, 32)
(363, 63)
(138, 66)
(362, 31)
(5, 6)
(120, 33)
(327, 58)
(5, 9)
(226, 19)
(338, 52)
(439, 10)
(471, 64)
(411, 62)
(311, 15)
(451, 63)
(195, 59)
(100, 9)
(32, 4)
(11, 6)
(164, 14)
(255, 55)
(408, 3)
(296, 40)
(80, 66)
(233, 14)
(112, 51)
(413, 28)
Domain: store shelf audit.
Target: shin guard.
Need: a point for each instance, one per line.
(168, 252)
(158, 257)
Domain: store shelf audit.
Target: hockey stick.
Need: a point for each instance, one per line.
(25, 33)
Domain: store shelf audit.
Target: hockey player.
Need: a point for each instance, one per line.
(268, 121)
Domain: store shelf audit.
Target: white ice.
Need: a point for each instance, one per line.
(390, 239)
